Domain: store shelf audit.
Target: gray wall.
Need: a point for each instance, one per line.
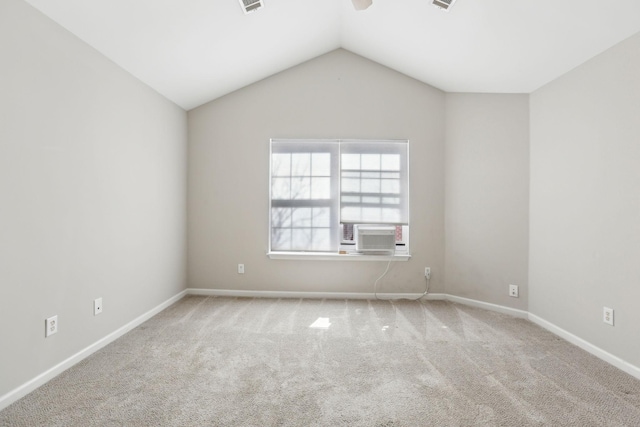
(92, 194)
(585, 201)
(487, 197)
(338, 95)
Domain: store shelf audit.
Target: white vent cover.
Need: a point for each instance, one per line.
(361, 4)
(249, 6)
(444, 4)
(375, 240)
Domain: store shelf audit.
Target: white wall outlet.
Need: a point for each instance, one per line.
(427, 272)
(240, 268)
(607, 315)
(513, 291)
(97, 306)
(51, 326)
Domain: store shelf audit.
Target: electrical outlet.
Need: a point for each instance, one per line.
(607, 315)
(427, 272)
(513, 291)
(240, 268)
(51, 326)
(97, 306)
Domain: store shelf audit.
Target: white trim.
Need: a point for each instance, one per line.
(299, 295)
(435, 297)
(49, 374)
(488, 306)
(587, 346)
(332, 256)
(355, 295)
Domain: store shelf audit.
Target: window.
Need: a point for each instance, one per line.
(319, 188)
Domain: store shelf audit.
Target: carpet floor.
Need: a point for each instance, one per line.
(214, 361)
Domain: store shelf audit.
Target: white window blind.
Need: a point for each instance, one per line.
(315, 185)
(374, 185)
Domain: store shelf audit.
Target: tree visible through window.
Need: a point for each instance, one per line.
(318, 185)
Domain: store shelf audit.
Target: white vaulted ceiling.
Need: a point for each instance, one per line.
(193, 51)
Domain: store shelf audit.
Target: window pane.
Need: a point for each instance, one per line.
(350, 161)
(281, 217)
(390, 215)
(320, 188)
(371, 215)
(350, 185)
(371, 161)
(321, 240)
(301, 164)
(305, 176)
(321, 217)
(281, 164)
(391, 175)
(370, 185)
(383, 170)
(300, 188)
(280, 189)
(301, 217)
(391, 186)
(300, 239)
(391, 162)
(390, 200)
(321, 164)
(351, 212)
(371, 200)
(281, 239)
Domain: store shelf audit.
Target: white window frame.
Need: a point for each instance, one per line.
(346, 249)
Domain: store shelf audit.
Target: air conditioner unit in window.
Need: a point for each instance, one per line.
(375, 240)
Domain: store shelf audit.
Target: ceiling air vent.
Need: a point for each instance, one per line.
(251, 5)
(444, 4)
(361, 4)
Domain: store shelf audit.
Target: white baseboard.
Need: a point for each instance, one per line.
(352, 295)
(435, 297)
(587, 346)
(488, 306)
(49, 374)
(307, 295)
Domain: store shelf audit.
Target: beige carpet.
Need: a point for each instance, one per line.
(259, 362)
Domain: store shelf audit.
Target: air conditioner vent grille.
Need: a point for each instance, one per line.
(249, 6)
(374, 240)
(444, 4)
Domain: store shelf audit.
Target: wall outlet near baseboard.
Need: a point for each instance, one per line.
(240, 268)
(607, 315)
(51, 326)
(427, 272)
(513, 291)
(97, 306)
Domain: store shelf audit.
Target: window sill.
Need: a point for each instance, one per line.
(332, 256)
